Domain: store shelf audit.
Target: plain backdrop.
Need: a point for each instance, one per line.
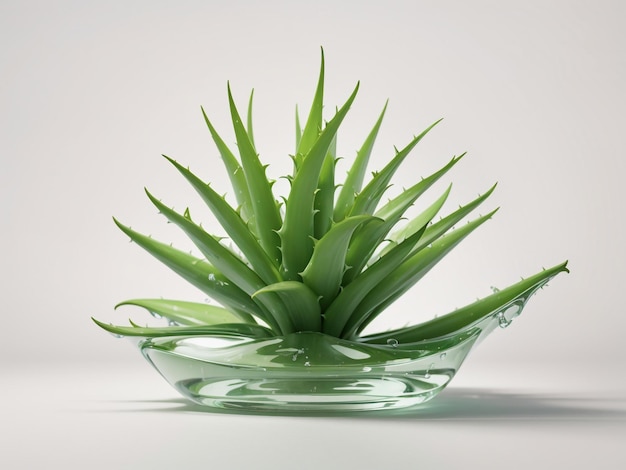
(92, 93)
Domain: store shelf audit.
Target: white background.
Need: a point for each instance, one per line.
(93, 93)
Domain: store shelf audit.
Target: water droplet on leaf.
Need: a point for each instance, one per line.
(427, 374)
(503, 321)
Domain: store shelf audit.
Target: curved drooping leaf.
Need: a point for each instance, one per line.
(264, 206)
(234, 226)
(183, 312)
(412, 269)
(325, 270)
(246, 330)
(297, 230)
(354, 179)
(466, 316)
(341, 309)
(301, 304)
(199, 273)
(368, 199)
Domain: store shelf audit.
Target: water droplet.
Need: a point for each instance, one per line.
(494, 289)
(503, 321)
(307, 364)
(173, 323)
(212, 277)
(392, 342)
(427, 374)
(156, 315)
(296, 354)
(367, 369)
(442, 355)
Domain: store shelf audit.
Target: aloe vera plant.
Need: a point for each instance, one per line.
(327, 258)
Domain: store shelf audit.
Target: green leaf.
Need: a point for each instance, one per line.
(406, 275)
(421, 221)
(325, 194)
(364, 243)
(369, 238)
(397, 206)
(185, 313)
(368, 199)
(469, 315)
(301, 304)
(249, 120)
(325, 270)
(245, 330)
(354, 179)
(338, 313)
(222, 258)
(264, 206)
(298, 131)
(234, 226)
(235, 173)
(440, 227)
(297, 229)
(235, 270)
(199, 273)
(313, 125)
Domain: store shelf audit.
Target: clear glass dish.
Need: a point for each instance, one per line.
(313, 372)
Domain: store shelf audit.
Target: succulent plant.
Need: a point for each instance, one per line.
(321, 259)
